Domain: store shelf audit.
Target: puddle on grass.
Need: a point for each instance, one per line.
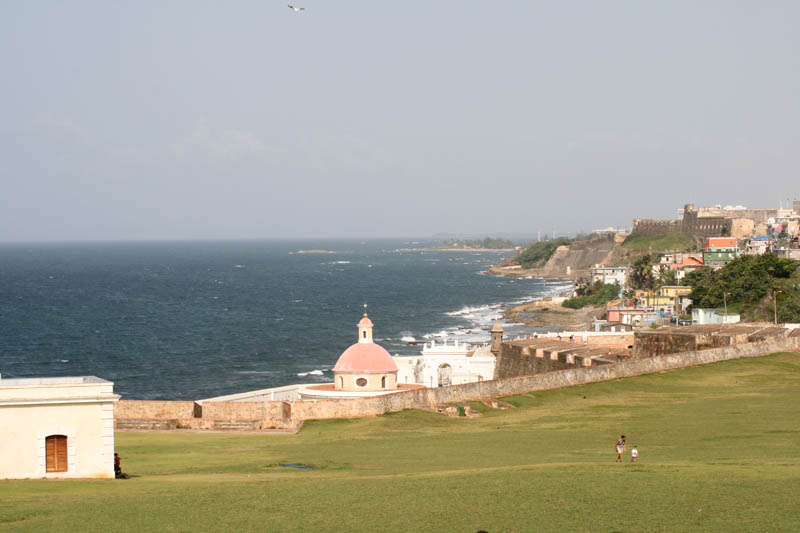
(293, 465)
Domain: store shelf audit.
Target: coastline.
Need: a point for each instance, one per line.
(516, 271)
(498, 250)
(549, 313)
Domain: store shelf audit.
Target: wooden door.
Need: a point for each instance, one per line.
(55, 447)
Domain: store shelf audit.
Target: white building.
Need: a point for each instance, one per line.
(57, 427)
(446, 364)
(712, 316)
(609, 275)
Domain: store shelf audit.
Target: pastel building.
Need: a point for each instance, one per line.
(609, 274)
(720, 251)
(365, 366)
(60, 427)
(364, 369)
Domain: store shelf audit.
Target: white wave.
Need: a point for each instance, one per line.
(408, 338)
(65, 360)
(311, 373)
(473, 310)
(238, 266)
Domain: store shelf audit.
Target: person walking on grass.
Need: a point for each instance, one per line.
(634, 454)
(620, 447)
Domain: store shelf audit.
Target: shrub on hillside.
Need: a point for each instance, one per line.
(597, 294)
(538, 253)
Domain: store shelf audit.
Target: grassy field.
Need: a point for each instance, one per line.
(719, 444)
(658, 243)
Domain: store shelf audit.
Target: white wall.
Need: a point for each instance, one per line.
(89, 428)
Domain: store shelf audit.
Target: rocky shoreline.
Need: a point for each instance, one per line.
(548, 313)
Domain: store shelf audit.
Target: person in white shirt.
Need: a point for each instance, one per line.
(634, 454)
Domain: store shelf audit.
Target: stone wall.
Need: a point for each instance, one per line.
(277, 414)
(546, 381)
(153, 409)
(653, 343)
(519, 360)
(714, 226)
(247, 410)
(649, 226)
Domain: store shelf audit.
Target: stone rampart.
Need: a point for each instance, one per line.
(286, 414)
(649, 226)
(655, 343)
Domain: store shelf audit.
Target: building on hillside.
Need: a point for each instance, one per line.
(609, 275)
(758, 245)
(636, 316)
(60, 427)
(676, 295)
(673, 291)
(684, 263)
(613, 327)
(713, 316)
(720, 251)
(788, 253)
(445, 364)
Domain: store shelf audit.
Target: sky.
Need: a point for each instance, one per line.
(239, 120)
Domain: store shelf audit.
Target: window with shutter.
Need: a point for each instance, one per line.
(55, 447)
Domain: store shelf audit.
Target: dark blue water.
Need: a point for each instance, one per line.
(191, 320)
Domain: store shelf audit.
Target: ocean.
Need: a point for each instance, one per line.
(192, 320)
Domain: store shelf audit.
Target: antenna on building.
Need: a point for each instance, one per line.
(365, 309)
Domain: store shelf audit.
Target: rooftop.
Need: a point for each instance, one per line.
(65, 380)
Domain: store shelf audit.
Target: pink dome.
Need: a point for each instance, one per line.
(365, 322)
(366, 357)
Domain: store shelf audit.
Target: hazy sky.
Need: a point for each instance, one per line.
(172, 119)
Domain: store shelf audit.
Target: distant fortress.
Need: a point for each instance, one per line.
(716, 221)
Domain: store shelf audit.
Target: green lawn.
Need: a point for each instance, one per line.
(658, 243)
(719, 445)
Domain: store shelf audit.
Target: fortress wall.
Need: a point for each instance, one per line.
(743, 228)
(520, 360)
(656, 343)
(153, 409)
(619, 342)
(548, 380)
(275, 413)
(649, 226)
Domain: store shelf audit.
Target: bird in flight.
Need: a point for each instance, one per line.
(296, 9)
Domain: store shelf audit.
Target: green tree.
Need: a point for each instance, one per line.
(641, 276)
(538, 253)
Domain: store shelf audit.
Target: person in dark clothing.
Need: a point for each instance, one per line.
(117, 468)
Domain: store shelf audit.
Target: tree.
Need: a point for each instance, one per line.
(641, 274)
(667, 276)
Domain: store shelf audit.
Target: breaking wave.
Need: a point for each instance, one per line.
(311, 373)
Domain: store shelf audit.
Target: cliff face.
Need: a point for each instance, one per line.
(570, 261)
(578, 257)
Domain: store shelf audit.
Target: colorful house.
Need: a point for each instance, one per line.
(720, 251)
